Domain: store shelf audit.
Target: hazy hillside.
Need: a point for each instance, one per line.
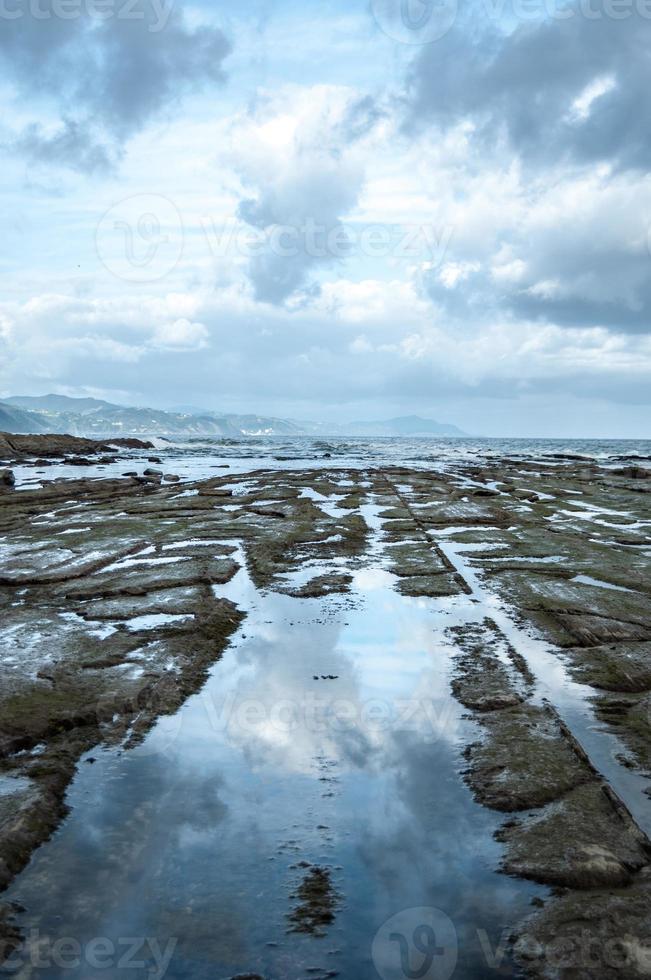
(408, 425)
(58, 404)
(93, 417)
(14, 419)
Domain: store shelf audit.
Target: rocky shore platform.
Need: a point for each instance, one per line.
(112, 613)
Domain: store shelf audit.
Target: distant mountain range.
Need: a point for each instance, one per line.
(93, 417)
(17, 420)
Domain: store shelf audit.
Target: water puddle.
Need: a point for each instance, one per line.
(599, 584)
(153, 620)
(280, 822)
(9, 785)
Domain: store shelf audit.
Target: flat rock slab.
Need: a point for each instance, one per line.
(613, 666)
(579, 841)
(580, 936)
(443, 584)
(489, 675)
(524, 760)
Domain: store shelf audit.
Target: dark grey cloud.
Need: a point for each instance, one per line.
(136, 70)
(105, 78)
(299, 207)
(360, 117)
(521, 86)
(73, 145)
(275, 276)
(627, 308)
(612, 290)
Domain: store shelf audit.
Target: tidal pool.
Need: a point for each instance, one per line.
(325, 750)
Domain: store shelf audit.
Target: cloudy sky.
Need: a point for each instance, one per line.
(349, 209)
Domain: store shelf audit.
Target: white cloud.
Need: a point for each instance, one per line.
(583, 104)
(181, 335)
(453, 273)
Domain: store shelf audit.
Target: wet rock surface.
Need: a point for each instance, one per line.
(605, 936)
(16, 447)
(578, 841)
(490, 673)
(524, 760)
(316, 903)
(112, 614)
(566, 550)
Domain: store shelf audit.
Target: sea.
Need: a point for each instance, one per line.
(201, 458)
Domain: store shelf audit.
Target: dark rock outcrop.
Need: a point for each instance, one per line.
(21, 446)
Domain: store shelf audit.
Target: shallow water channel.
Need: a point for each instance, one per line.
(302, 816)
